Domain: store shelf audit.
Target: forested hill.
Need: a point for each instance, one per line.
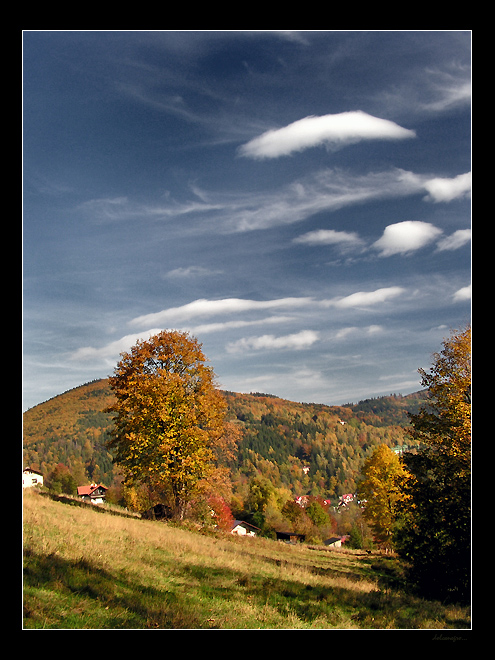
(308, 448)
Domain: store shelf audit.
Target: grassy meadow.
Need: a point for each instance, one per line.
(88, 570)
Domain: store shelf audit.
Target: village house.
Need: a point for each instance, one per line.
(95, 493)
(31, 477)
(345, 500)
(334, 542)
(242, 528)
(290, 537)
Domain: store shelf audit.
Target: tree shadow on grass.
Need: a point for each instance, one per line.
(121, 601)
(125, 603)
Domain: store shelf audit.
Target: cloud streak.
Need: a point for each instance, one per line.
(332, 131)
(296, 341)
(225, 306)
(110, 350)
(330, 237)
(366, 298)
(455, 241)
(204, 308)
(327, 190)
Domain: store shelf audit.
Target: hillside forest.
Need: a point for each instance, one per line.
(285, 449)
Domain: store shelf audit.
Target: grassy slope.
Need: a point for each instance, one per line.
(85, 569)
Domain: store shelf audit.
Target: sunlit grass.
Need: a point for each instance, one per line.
(85, 569)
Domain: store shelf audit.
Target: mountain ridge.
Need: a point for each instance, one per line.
(280, 437)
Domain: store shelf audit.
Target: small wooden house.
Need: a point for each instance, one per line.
(242, 528)
(95, 493)
(31, 477)
(290, 537)
(334, 542)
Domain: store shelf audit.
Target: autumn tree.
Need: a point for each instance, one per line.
(221, 513)
(317, 514)
(168, 417)
(60, 480)
(380, 485)
(434, 535)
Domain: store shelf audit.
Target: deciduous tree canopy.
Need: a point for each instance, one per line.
(434, 534)
(382, 476)
(169, 416)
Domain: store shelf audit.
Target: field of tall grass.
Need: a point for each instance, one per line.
(88, 570)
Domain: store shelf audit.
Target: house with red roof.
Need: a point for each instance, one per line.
(95, 493)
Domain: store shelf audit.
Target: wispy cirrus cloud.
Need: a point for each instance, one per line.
(365, 298)
(296, 341)
(455, 240)
(330, 237)
(222, 326)
(204, 308)
(449, 88)
(112, 349)
(326, 190)
(189, 272)
(355, 330)
(332, 131)
(226, 306)
(376, 301)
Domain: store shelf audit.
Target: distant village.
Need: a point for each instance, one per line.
(96, 494)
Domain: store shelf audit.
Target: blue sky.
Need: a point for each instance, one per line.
(299, 201)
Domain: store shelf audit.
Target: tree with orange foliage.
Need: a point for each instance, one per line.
(169, 417)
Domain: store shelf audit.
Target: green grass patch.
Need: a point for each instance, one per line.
(91, 571)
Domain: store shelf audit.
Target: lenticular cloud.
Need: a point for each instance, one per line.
(407, 236)
(329, 130)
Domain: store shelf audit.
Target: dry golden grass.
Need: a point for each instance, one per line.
(86, 569)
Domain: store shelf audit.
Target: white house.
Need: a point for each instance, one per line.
(242, 528)
(31, 477)
(334, 542)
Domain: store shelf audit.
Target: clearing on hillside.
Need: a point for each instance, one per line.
(88, 570)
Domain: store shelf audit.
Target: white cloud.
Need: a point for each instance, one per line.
(326, 190)
(298, 341)
(204, 307)
(463, 294)
(234, 325)
(191, 271)
(122, 209)
(446, 190)
(366, 298)
(455, 241)
(406, 236)
(330, 130)
(329, 237)
(354, 330)
(450, 88)
(114, 348)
